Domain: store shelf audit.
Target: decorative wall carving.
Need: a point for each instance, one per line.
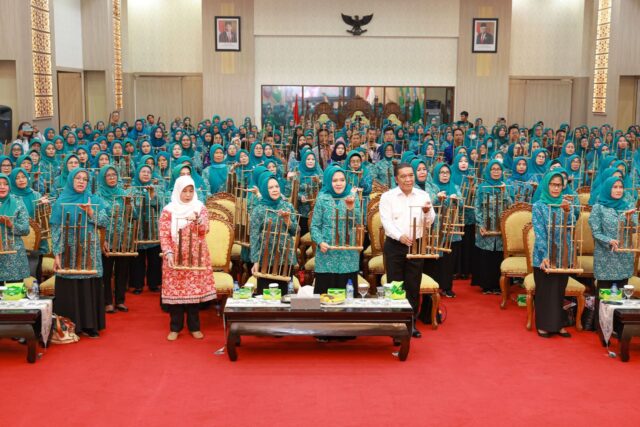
(601, 65)
(41, 58)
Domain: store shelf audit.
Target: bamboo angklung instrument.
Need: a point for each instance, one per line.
(554, 248)
(7, 239)
(628, 232)
(563, 248)
(66, 255)
(277, 245)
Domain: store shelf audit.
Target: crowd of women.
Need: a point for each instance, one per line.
(315, 170)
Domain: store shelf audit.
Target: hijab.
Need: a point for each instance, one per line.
(449, 187)
(8, 204)
(457, 175)
(604, 196)
(535, 168)
(104, 191)
(263, 187)
(338, 158)
(327, 186)
(517, 176)
(70, 195)
(306, 172)
(217, 170)
(545, 195)
(26, 194)
(180, 210)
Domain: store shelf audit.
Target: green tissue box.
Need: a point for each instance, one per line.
(275, 294)
(522, 300)
(242, 293)
(606, 295)
(337, 292)
(397, 290)
(14, 291)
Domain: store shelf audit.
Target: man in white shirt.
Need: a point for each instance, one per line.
(398, 207)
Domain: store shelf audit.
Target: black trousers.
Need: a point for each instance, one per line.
(324, 281)
(487, 273)
(444, 271)
(118, 267)
(400, 268)
(549, 298)
(464, 253)
(177, 312)
(146, 265)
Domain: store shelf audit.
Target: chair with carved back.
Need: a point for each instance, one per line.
(219, 241)
(514, 264)
(220, 210)
(393, 109)
(574, 288)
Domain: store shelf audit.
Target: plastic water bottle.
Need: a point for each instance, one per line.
(290, 290)
(614, 290)
(236, 286)
(34, 292)
(349, 290)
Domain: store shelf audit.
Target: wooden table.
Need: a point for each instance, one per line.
(335, 321)
(22, 323)
(626, 324)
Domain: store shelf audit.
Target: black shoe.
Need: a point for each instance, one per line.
(155, 290)
(449, 294)
(496, 292)
(416, 333)
(109, 309)
(564, 334)
(544, 334)
(487, 292)
(122, 307)
(91, 333)
(137, 291)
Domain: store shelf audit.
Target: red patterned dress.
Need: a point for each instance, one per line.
(187, 286)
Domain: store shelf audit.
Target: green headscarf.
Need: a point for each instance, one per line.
(9, 203)
(70, 195)
(449, 188)
(263, 187)
(545, 196)
(605, 199)
(105, 191)
(327, 186)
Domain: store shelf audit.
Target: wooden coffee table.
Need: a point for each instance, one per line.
(626, 323)
(24, 324)
(335, 321)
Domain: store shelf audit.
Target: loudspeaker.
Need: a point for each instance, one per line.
(6, 123)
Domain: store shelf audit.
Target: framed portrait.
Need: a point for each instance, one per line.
(228, 34)
(485, 35)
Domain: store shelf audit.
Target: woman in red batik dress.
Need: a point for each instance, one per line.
(184, 289)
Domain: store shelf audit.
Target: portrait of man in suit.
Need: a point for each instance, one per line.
(485, 35)
(227, 33)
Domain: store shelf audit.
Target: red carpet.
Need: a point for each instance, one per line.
(482, 367)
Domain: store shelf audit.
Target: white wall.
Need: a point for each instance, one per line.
(408, 42)
(164, 36)
(67, 27)
(547, 38)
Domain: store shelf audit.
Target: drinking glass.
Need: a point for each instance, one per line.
(628, 291)
(380, 291)
(363, 288)
(33, 294)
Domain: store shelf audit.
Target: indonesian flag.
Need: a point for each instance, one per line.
(370, 95)
(296, 115)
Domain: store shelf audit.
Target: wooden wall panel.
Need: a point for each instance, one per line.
(483, 78)
(192, 97)
(9, 92)
(95, 96)
(517, 91)
(549, 101)
(627, 102)
(160, 96)
(70, 103)
(580, 101)
(228, 77)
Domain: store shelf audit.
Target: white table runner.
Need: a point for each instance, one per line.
(606, 315)
(44, 305)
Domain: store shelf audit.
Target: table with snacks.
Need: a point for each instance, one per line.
(260, 316)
